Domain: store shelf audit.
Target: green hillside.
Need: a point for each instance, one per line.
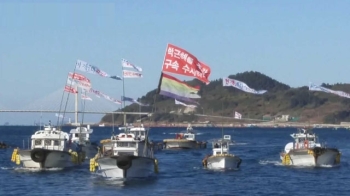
(300, 104)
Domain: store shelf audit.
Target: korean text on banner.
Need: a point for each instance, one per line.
(179, 61)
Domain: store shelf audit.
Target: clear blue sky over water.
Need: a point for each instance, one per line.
(294, 42)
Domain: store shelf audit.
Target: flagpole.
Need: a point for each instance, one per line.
(159, 83)
(76, 107)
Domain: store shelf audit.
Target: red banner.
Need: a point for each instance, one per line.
(70, 89)
(179, 61)
(79, 77)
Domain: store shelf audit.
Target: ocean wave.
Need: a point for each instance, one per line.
(267, 162)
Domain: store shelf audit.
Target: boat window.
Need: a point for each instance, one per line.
(216, 145)
(125, 153)
(122, 144)
(126, 144)
(76, 135)
(47, 142)
(83, 135)
(37, 142)
(56, 142)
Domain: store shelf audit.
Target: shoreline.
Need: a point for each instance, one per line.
(219, 125)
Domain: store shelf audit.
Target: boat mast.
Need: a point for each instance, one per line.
(222, 125)
(123, 98)
(76, 106)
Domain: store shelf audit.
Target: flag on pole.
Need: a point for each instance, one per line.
(241, 86)
(184, 104)
(127, 64)
(86, 67)
(237, 115)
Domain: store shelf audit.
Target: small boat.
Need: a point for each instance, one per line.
(185, 140)
(221, 157)
(307, 151)
(126, 155)
(50, 148)
(81, 136)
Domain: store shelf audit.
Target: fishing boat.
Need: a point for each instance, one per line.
(50, 148)
(81, 137)
(186, 140)
(307, 151)
(126, 155)
(221, 158)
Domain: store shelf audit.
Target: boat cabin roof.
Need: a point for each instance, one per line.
(132, 128)
(303, 133)
(224, 140)
(50, 133)
(81, 130)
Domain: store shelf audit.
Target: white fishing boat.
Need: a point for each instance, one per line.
(307, 151)
(126, 155)
(81, 137)
(186, 140)
(221, 158)
(50, 148)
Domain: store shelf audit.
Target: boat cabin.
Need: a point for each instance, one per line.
(50, 138)
(189, 129)
(130, 144)
(139, 132)
(305, 139)
(81, 134)
(221, 146)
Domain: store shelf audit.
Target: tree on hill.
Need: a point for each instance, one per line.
(279, 99)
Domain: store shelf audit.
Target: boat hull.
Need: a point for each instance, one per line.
(180, 144)
(223, 162)
(50, 159)
(126, 166)
(311, 157)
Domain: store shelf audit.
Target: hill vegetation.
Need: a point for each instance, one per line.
(280, 99)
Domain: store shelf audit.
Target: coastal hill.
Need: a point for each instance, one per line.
(280, 101)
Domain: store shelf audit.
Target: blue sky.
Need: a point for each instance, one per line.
(294, 42)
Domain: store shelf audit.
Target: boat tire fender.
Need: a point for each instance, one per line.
(38, 155)
(124, 162)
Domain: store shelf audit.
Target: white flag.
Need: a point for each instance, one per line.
(238, 115)
(314, 87)
(181, 103)
(241, 86)
(131, 74)
(127, 64)
(84, 66)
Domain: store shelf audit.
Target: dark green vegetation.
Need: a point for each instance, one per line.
(300, 103)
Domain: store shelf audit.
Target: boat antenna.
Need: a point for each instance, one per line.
(41, 115)
(222, 120)
(123, 98)
(112, 123)
(82, 119)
